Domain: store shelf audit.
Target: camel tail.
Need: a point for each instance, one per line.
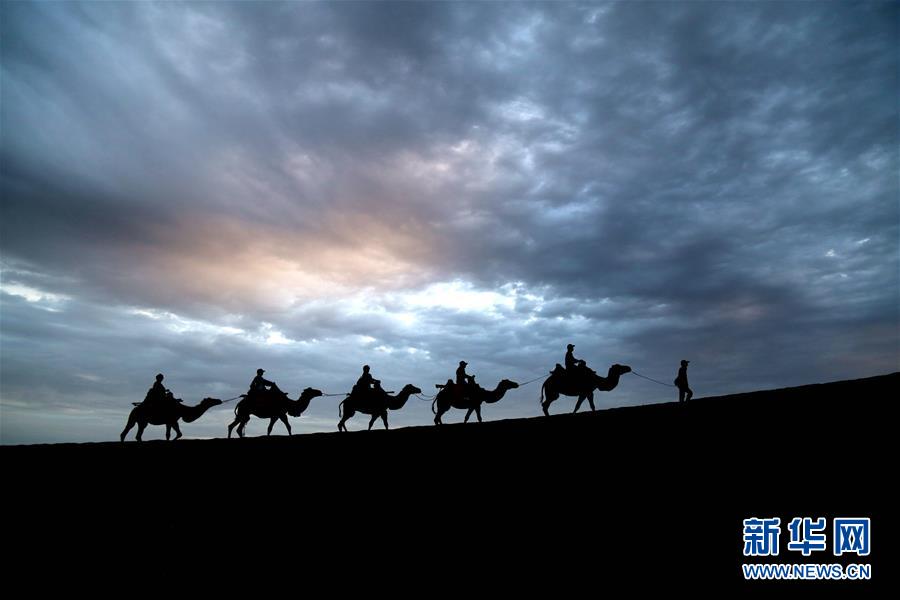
(433, 402)
(543, 385)
(341, 409)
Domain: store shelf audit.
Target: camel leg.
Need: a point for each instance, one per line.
(177, 430)
(437, 416)
(141, 427)
(546, 404)
(284, 420)
(342, 426)
(128, 426)
(384, 418)
(590, 399)
(578, 404)
(241, 427)
(372, 421)
(168, 431)
(230, 427)
(271, 425)
(478, 412)
(468, 414)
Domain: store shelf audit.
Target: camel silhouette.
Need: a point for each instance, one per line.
(447, 398)
(583, 387)
(168, 414)
(375, 402)
(273, 405)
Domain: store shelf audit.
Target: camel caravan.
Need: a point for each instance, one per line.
(266, 401)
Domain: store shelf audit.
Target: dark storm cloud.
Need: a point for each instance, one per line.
(203, 187)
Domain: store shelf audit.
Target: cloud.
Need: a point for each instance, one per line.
(205, 188)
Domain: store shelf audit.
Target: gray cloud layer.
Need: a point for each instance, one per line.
(205, 188)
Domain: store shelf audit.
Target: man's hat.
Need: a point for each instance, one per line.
(570, 346)
(260, 371)
(684, 362)
(462, 362)
(365, 367)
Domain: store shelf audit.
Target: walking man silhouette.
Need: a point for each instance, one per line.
(684, 392)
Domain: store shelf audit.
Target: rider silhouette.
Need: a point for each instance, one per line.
(462, 378)
(573, 364)
(366, 382)
(156, 395)
(259, 383)
(464, 381)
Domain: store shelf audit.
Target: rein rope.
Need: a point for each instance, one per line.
(651, 379)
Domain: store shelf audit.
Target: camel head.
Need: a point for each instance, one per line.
(397, 402)
(506, 384)
(494, 396)
(295, 408)
(210, 402)
(618, 369)
(310, 393)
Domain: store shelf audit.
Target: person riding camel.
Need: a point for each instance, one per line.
(366, 382)
(462, 378)
(574, 366)
(156, 395)
(464, 381)
(260, 384)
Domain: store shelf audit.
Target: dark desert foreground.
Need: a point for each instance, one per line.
(654, 491)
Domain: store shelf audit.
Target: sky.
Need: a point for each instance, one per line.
(204, 189)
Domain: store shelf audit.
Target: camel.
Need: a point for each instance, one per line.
(167, 414)
(559, 383)
(274, 405)
(447, 398)
(375, 402)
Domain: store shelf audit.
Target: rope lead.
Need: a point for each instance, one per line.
(532, 380)
(651, 379)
